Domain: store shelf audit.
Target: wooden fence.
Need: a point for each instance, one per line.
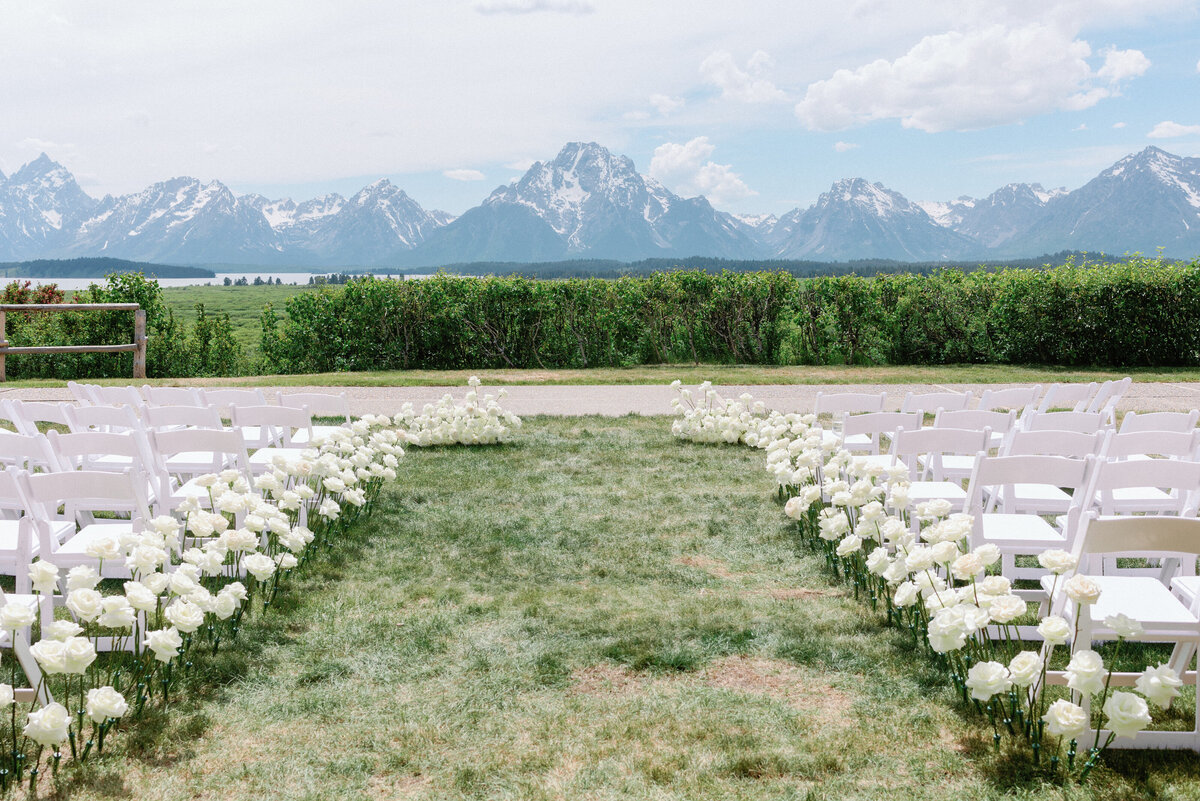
(138, 346)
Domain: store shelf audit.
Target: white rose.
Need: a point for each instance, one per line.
(1160, 684)
(224, 605)
(165, 643)
(50, 655)
(1065, 719)
(1127, 714)
(878, 561)
(1082, 589)
(236, 589)
(1057, 561)
(62, 630)
(82, 576)
(286, 561)
(1085, 672)
(103, 548)
(1025, 668)
(988, 554)
(6, 696)
(184, 615)
(44, 577)
(1054, 630)
(995, 585)
(15, 616)
(1006, 608)
(850, 544)
(104, 703)
(906, 595)
(966, 567)
(48, 726)
(157, 583)
(140, 597)
(259, 565)
(1124, 626)
(919, 559)
(118, 613)
(986, 679)
(945, 552)
(86, 604)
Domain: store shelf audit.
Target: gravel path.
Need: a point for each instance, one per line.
(616, 400)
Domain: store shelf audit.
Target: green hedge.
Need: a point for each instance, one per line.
(1143, 312)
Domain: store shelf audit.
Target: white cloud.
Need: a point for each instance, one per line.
(533, 6)
(1120, 65)
(1198, 66)
(1169, 130)
(665, 104)
(463, 175)
(520, 164)
(1080, 127)
(842, 147)
(688, 170)
(968, 80)
(1118, 125)
(636, 116)
(748, 85)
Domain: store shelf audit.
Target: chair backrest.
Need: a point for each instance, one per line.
(117, 396)
(1108, 396)
(172, 396)
(1084, 422)
(926, 402)
(933, 443)
(110, 419)
(1159, 421)
(1181, 479)
(221, 445)
(876, 424)
(12, 496)
(1062, 472)
(1011, 398)
(28, 414)
(1163, 444)
(1137, 534)
(848, 403)
(271, 425)
(1054, 443)
(82, 393)
(18, 451)
(223, 399)
(976, 420)
(83, 491)
(159, 418)
(8, 418)
(84, 450)
(1075, 397)
(319, 404)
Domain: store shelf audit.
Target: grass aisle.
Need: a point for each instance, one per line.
(594, 611)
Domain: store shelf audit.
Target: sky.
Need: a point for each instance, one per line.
(758, 105)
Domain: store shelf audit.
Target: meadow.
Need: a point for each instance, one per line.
(593, 610)
(243, 304)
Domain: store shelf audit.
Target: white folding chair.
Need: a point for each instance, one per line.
(108, 419)
(18, 451)
(1016, 533)
(275, 429)
(1072, 397)
(865, 433)
(319, 404)
(126, 452)
(116, 396)
(1144, 486)
(1107, 397)
(28, 414)
(924, 450)
(839, 405)
(224, 399)
(18, 540)
(1013, 398)
(172, 396)
(1083, 422)
(82, 393)
(930, 402)
(999, 423)
(166, 418)
(1164, 617)
(184, 454)
(1159, 421)
(1142, 444)
(80, 494)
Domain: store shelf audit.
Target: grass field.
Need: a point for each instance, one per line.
(243, 304)
(593, 611)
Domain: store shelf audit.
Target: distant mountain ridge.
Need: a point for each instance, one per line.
(589, 203)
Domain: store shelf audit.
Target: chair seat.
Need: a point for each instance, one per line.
(77, 545)
(919, 491)
(1141, 598)
(858, 442)
(319, 432)
(8, 535)
(883, 460)
(1020, 529)
(265, 457)
(957, 465)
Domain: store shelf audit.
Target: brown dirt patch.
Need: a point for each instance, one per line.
(794, 593)
(782, 681)
(390, 787)
(605, 679)
(714, 567)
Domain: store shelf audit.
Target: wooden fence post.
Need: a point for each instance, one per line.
(139, 339)
(3, 341)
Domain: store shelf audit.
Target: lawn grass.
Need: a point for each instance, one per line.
(592, 611)
(728, 375)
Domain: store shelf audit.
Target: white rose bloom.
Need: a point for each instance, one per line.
(906, 595)
(48, 726)
(62, 630)
(1160, 684)
(946, 632)
(157, 583)
(118, 613)
(878, 561)
(104, 703)
(1025, 668)
(919, 559)
(1054, 630)
(1082, 589)
(966, 567)
(1124, 626)
(104, 548)
(44, 577)
(259, 565)
(849, 545)
(986, 679)
(1085, 672)
(82, 576)
(184, 615)
(995, 585)
(1127, 714)
(6, 696)
(236, 589)
(1065, 719)
(224, 605)
(165, 643)
(988, 554)
(945, 552)
(86, 604)
(15, 616)
(1006, 609)
(78, 653)
(1057, 561)
(50, 655)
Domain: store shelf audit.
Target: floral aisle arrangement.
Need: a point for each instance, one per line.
(704, 416)
(478, 420)
(912, 564)
(195, 579)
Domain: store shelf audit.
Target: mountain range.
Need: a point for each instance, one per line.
(590, 203)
